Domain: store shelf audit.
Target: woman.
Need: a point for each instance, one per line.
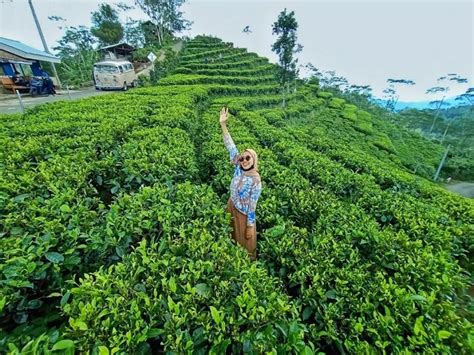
(245, 190)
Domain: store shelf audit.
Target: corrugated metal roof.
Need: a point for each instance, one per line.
(25, 51)
(121, 44)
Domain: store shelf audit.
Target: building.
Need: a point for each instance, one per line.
(117, 51)
(17, 56)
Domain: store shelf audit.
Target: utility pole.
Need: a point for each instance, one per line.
(42, 39)
(441, 163)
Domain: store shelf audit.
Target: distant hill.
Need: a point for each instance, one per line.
(419, 105)
(454, 126)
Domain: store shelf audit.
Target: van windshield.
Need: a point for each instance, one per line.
(103, 68)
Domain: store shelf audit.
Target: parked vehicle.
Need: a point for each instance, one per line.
(114, 75)
(41, 86)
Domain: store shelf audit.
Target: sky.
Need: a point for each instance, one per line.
(366, 42)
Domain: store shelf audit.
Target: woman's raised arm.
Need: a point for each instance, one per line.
(229, 143)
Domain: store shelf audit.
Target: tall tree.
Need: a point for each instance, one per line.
(467, 98)
(165, 16)
(362, 90)
(390, 93)
(286, 47)
(74, 41)
(77, 53)
(438, 104)
(338, 82)
(133, 32)
(444, 86)
(106, 25)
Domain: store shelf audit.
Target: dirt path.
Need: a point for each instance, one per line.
(463, 188)
(177, 46)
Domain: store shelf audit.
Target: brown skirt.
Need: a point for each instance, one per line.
(239, 224)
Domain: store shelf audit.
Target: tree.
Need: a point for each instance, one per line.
(74, 41)
(439, 104)
(165, 16)
(362, 90)
(133, 32)
(59, 19)
(77, 55)
(285, 47)
(390, 93)
(106, 25)
(467, 98)
(330, 79)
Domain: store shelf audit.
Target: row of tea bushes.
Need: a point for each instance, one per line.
(55, 188)
(343, 338)
(192, 291)
(340, 268)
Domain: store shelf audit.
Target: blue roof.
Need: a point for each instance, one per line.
(25, 51)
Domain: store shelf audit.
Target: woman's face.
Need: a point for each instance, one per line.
(246, 160)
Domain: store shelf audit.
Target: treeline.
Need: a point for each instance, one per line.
(78, 48)
(443, 126)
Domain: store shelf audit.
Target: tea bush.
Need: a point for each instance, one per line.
(114, 236)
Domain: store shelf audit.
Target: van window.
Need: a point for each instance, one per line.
(104, 68)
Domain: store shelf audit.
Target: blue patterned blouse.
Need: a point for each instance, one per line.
(244, 190)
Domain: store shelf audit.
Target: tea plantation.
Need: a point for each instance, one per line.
(114, 236)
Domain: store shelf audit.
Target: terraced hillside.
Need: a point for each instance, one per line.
(114, 236)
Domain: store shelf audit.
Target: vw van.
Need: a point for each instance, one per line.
(114, 74)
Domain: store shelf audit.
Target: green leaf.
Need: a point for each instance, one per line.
(418, 298)
(77, 324)
(115, 189)
(331, 294)
(13, 349)
(34, 304)
(3, 300)
(65, 209)
(444, 334)
(202, 289)
(172, 284)
(418, 325)
(16, 231)
(103, 350)
(72, 260)
(20, 317)
(54, 257)
(120, 250)
(154, 332)
(63, 344)
(307, 312)
(21, 197)
(65, 298)
(215, 315)
(277, 231)
(81, 325)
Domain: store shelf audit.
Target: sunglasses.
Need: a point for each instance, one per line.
(241, 159)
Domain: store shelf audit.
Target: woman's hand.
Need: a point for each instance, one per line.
(248, 232)
(224, 115)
